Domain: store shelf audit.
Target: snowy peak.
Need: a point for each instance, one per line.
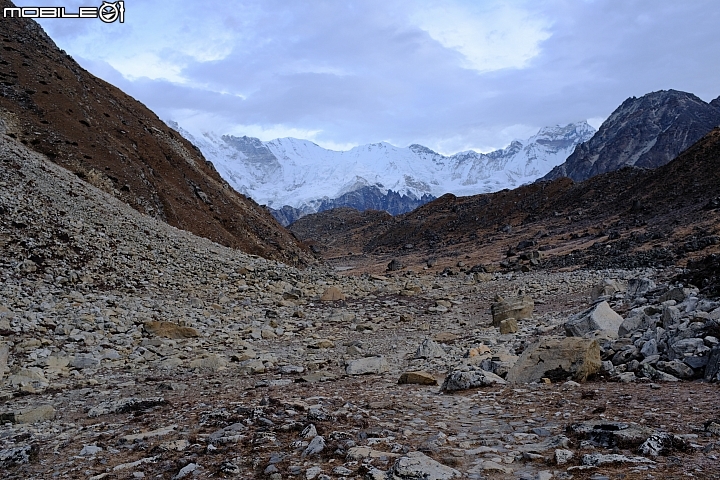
(301, 175)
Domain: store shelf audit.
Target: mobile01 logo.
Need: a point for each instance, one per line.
(108, 12)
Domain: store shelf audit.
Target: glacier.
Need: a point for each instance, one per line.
(289, 172)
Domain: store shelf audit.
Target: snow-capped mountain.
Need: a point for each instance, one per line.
(305, 178)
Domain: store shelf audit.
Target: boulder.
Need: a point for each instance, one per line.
(607, 288)
(429, 349)
(417, 465)
(170, 330)
(598, 317)
(557, 359)
(676, 368)
(515, 307)
(332, 294)
(473, 378)
(637, 320)
(637, 287)
(367, 365)
(417, 378)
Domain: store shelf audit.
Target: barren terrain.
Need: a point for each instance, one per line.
(136, 350)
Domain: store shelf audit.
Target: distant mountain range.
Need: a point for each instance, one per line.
(297, 177)
(648, 132)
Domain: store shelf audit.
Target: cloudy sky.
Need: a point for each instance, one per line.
(451, 75)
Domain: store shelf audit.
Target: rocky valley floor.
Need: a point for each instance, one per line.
(131, 349)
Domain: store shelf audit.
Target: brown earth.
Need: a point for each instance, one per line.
(628, 218)
(106, 137)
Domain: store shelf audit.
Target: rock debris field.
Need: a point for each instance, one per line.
(131, 349)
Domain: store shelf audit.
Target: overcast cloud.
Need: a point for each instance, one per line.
(450, 75)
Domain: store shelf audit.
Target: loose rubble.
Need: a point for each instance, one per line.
(131, 349)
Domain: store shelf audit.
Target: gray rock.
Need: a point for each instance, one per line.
(316, 445)
(684, 346)
(83, 361)
(12, 457)
(637, 321)
(4, 353)
(637, 287)
(598, 317)
(712, 370)
(90, 450)
(309, 432)
(367, 365)
(418, 466)
(599, 459)
(677, 294)
(662, 444)
(606, 433)
(312, 472)
(563, 456)
(676, 368)
(670, 316)
(607, 288)
(649, 348)
(186, 470)
(557, 359)
(463, 380)
(648, 371)
(429, 349)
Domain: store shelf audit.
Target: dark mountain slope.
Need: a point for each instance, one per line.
(626, 218)
(644, 132)
(104, 136)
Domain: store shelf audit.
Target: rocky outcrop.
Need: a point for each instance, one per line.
(365, 198)
(647, 132)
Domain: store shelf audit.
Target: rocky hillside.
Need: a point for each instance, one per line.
(49, 103)
(642, 132)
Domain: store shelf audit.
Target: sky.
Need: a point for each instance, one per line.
(451, 75)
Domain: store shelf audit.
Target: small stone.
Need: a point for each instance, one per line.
(316, 446)
(563, 456)
(89, 450)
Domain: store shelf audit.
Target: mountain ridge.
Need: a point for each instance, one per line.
(299, 177)
(648, 132)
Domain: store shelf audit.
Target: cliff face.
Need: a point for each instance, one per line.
(365, 198)
(645, 132)
(51, 104)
